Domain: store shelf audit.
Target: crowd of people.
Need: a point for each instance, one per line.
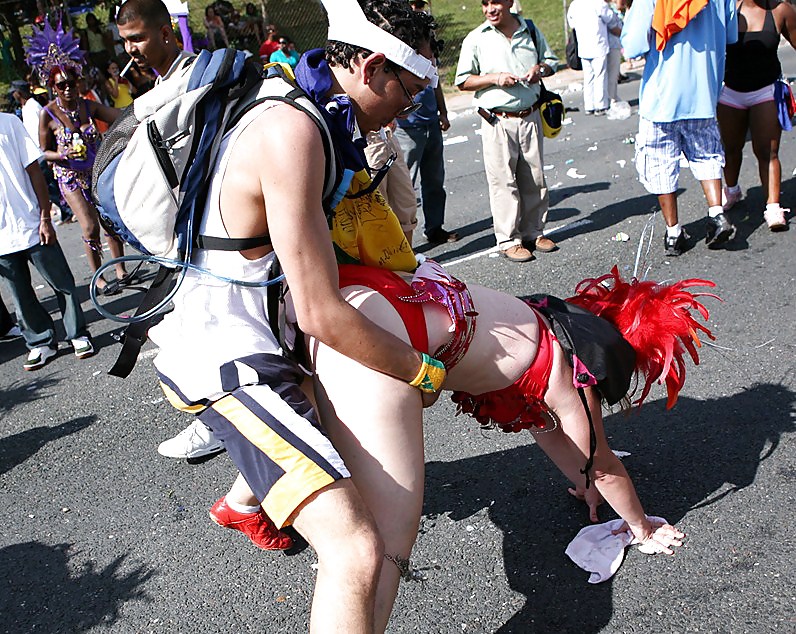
(324, 424)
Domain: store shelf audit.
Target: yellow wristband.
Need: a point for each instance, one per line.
(431, 375)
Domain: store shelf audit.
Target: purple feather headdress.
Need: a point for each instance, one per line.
(49, 49)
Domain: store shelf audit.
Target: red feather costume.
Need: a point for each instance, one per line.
(656, 319)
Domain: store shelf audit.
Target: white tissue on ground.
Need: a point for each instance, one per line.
(597, 550)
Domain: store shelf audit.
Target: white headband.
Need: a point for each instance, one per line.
(348, 24)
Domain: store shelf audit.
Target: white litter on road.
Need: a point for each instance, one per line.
(621, 163)
(572, 172)
(593, 148)
(455, 140)
(548, 167)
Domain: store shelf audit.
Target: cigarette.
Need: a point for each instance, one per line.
(126, 68)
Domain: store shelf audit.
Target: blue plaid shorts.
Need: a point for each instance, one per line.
(660, 146)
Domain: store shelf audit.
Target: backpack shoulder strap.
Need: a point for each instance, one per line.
(287, 91)
(532, 28)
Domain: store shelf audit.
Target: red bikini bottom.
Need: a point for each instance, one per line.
(390, 286)
(520, 405)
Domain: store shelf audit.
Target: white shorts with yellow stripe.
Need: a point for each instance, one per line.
(271, 432)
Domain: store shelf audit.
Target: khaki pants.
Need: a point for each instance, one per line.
(396, 187)
(518, 194)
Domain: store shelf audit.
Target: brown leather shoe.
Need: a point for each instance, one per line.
(517, 253)
(545, 245)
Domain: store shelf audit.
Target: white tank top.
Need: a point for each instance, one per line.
(213, 321)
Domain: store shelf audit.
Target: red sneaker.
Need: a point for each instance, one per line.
(258, 527)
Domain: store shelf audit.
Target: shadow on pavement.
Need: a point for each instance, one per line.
(41, 592)
(606, 216)
(21, 391)
(685, 460)
(17, 448)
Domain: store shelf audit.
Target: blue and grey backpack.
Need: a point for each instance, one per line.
(151, 172)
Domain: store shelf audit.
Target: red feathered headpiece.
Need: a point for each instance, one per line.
(656, 319)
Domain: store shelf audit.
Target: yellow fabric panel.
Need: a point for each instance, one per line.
(302, 476)
(178, 403)
(368, 230)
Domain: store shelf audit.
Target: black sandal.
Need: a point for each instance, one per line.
(110, 288)
(136, 277)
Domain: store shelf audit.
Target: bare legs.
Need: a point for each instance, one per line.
(712, 191)
(89, 224)
(375, 423)
(766, 133)
(338, 525)
(733, 124)
(668, 203)
(761, 120)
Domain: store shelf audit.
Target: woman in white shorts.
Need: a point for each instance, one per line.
(746, 104)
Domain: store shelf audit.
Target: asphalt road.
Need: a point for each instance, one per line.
(101, 534)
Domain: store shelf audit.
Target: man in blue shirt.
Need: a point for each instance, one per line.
(677, 107)
(420, 137)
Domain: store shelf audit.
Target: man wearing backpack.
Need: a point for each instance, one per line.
(219, 356)
(500, 62)
(145, 28)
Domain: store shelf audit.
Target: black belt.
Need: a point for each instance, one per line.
(489, 115)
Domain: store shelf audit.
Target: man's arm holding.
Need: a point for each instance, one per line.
(468, 71)
(546, 60)
(301, 239)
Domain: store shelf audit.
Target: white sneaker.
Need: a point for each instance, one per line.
(775, 218)
(38, 357)
(83, 347)
(195, 441)
(12, 333)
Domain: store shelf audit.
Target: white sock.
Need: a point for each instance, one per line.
(674, 230)
(772, 207)
(715, 211)
(735, 189)
(242, 508)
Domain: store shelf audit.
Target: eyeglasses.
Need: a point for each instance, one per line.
(62, 85)
(412, 107)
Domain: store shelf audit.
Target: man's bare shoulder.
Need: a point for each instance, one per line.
(283, 127)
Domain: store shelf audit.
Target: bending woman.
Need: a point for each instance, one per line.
(746, 103)
(69, 138)
(508, 369)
